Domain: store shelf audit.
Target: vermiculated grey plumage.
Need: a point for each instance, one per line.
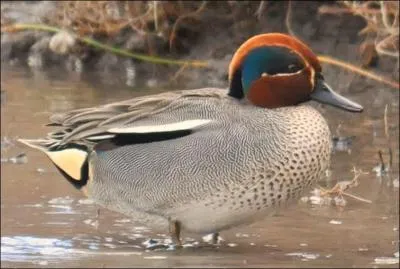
(241, 166)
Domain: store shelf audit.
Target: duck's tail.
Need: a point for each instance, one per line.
(71, 160)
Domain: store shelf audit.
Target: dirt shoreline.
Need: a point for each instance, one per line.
(208, 38)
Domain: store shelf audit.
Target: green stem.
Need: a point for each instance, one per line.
(97, 44)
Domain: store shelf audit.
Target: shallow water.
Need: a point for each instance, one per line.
(46, 222)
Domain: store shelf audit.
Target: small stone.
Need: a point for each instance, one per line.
(208, 238)
(342, 143)
(35, 60)
(152, 83)
(242, 235)
(94, 223)
(61, 200)
(304, 199)
(396, 183)
(270, 246)
(124, 221)
(316, 200)
(85, 201)
(316, 192)
(62, 42)
(40, 170)
(78, 65)
(19, 159)
(380, 170)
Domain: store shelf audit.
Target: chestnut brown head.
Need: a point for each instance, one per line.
(275, 70)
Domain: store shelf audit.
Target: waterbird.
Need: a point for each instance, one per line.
(205, 160)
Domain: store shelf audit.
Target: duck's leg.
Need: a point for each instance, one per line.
(175, 232)
(214, 239)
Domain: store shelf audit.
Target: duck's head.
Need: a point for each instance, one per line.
(275, 70)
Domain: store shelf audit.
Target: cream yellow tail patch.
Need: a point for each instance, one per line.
(169, 127)
(69, 160)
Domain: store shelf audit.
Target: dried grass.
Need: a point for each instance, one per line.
(382, 18)
(340, 188)
(105, 17)
(161, 18)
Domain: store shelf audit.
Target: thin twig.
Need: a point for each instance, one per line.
(340, 187)
(288, 19)
(155, 15)
(178, 73)
(383, 167)
(387, 135)
(178, 21)
(386, 122)
(358, 70)
(260, 9)
(357, 197)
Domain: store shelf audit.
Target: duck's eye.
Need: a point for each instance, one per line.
(292, 68)
(273, 61)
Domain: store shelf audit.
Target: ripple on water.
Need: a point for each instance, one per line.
(25, 248)
(44, 250)
(386, 260)
(303, 255)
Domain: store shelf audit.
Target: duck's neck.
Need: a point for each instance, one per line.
(235, 87)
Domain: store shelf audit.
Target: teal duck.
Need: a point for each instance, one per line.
(209, 159)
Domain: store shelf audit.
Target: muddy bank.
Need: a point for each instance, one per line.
(189, 30)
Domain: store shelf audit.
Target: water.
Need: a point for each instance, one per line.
(47, 223)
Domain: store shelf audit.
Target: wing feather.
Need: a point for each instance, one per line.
(91, 125)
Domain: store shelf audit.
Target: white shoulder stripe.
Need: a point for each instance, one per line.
(170, 127)
(100, 137)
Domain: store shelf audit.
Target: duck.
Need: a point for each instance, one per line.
(205, 160)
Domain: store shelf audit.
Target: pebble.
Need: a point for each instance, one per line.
(396, 183)
(19, 159)
(85, 201)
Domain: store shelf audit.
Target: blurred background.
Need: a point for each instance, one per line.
(61, 55)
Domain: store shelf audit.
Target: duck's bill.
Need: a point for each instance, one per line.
(323, 93)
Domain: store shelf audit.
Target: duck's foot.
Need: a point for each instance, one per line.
(175, 232)
(214, 239)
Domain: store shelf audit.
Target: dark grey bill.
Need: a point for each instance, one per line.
(324, 94)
